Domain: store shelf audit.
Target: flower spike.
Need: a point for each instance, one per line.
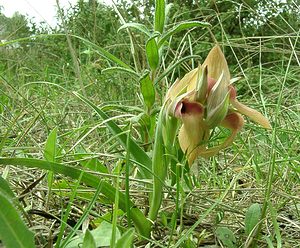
(204, 99)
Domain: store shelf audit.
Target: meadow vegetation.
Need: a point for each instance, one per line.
(88, 157)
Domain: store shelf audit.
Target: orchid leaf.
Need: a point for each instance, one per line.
(160, 15)
(148, 90)
(138, 26)
(173, 66)
(180, 27)
(159, 167)
(152, 53)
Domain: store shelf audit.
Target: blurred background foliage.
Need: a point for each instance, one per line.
(239, 22)
(252, 33)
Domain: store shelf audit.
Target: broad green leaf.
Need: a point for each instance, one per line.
(140, 156)
(152, 53)
(180, 27)
(159, 18)
(148, 91)
(50, 147)
(141, 223)
(138, 26)
(5, 189)
(252, 217)
(13, 231)
(101, 235)
(88, 240)
(126, 240)
(226, 236)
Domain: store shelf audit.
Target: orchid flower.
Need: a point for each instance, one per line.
(204, 99)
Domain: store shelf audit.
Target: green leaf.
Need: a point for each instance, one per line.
(180, 27)
(226, 236)
(140, 156)
(102, 52)
(152, 53)
(50, 153)
(13, 231)
(101, 235)
(50, 147)
(159, 167)
(126, 240)
(148, 91)
(274, 215)
(141, 223)
(93, 163)
(88, 240)
(5, 189)
(120, 69)
(138, 26)
(173, 66)
(252, 217)
(159, 18)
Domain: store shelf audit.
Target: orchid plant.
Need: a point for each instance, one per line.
(204, 99)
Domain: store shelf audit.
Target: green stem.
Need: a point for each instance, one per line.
(158, 167)
(127, 195)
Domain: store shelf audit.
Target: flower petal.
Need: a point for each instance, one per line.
(190, 137)
(216, 64)
(232, 121)
(201, 85)
(188, 108)
(251, 113)
(193, 134)
(181, 86)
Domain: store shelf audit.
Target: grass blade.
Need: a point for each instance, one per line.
(141, 223)
(13, 231)
(126, 240)
(5, 189)
(135, 150)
